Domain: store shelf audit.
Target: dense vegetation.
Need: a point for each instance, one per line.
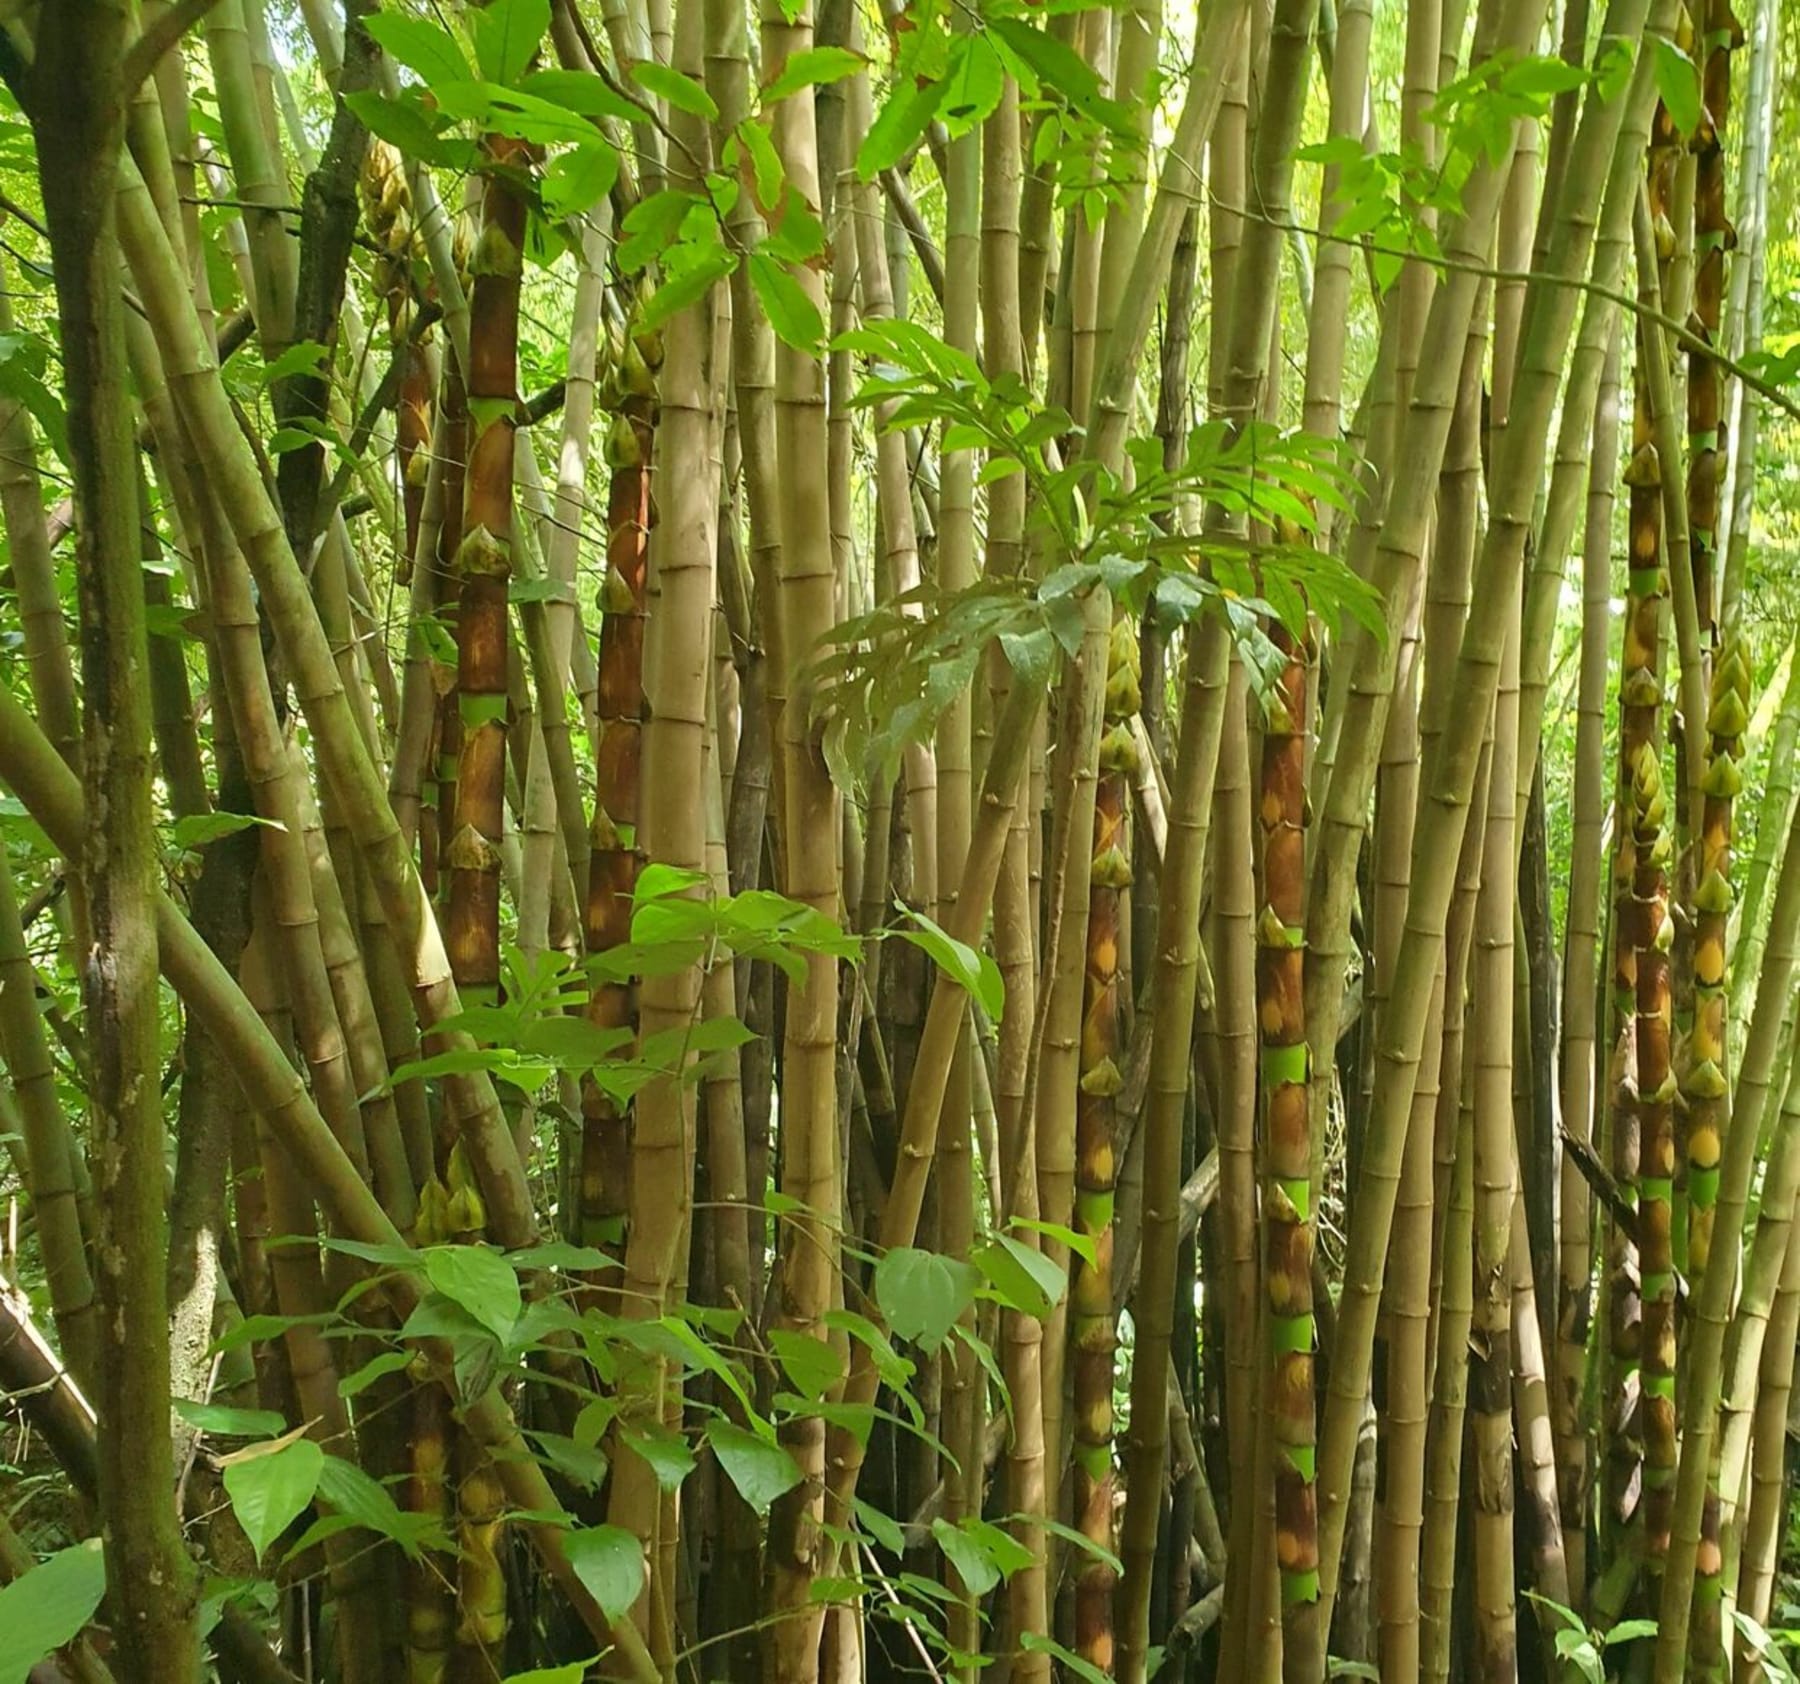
(941, 840)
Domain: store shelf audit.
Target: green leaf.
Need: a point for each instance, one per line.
(583, 92)
(973, 87)
(761, 1471)
(269, 1487)
(898, 126)
(765, 163)
(1629, 1631)
(921, 1293)
(670, 86)
(1021, 1275)
(1081, 1244)
(1083, 1669)
(577, 180)
(882, 1527)
(514, 112)
(813, 68)
(649, 227)
(23, 358)
(580, 1464)
(793, 316)
(215, 1418)
(571, 1043)
(376, 1368)
(363, 1501)
(479, 1281)
(610, 1563)
(684, 287)
(558, 1254)
(972, 1555)
(1081, 1541)
(812, 1364)
(195, 830)
(573, 1673)
(423, 47)
(1678, 85)
(47, 1606)
(507, 33)
(405, 123)
(668, 1454)
(894, 1369)
(307, 356)
(976, 972)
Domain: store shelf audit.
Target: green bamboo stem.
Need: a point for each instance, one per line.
(807, 606)
(1518, 459)
(1584, 945)
(1206, 697)
(193, 376)
(1386, 546)
(1495, 1192)
(50, 1147)
(37, 776)
(1710, 1303)
(151, 1582)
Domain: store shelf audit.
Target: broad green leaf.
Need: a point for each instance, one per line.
(761, 1471)
(976, 972)
(478, 1280)
(558, 1254)
(270, 1486)
(899, 125)
(894, 1369)
(686, 286)
(23, 358)
(1081, 1541)
(812, 1364)
(670, 86)
(973, 87)
(668, 1454)
(973, 1562)
(363, 1501)
(581, 1464)
(423, 47)
(573, 1673)
(921, 1293)
(1082, 1668)
(405, 123)
(1022, 1276)
(376, 1368)
(765, 163)
(573, 183)
(572, 1043)
(610, 1563)
(650, 226)
(231, 1423)
(882, 1527)
(1629, 1631)
(793, 316)
(507, 33)
(581, 91)
(195, 830)
(308, 356)
(1081, 1244)
(1678, 85)
(514, 112)
(815, 67)
(47, 1606)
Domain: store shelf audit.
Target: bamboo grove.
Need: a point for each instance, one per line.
(854, 841)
